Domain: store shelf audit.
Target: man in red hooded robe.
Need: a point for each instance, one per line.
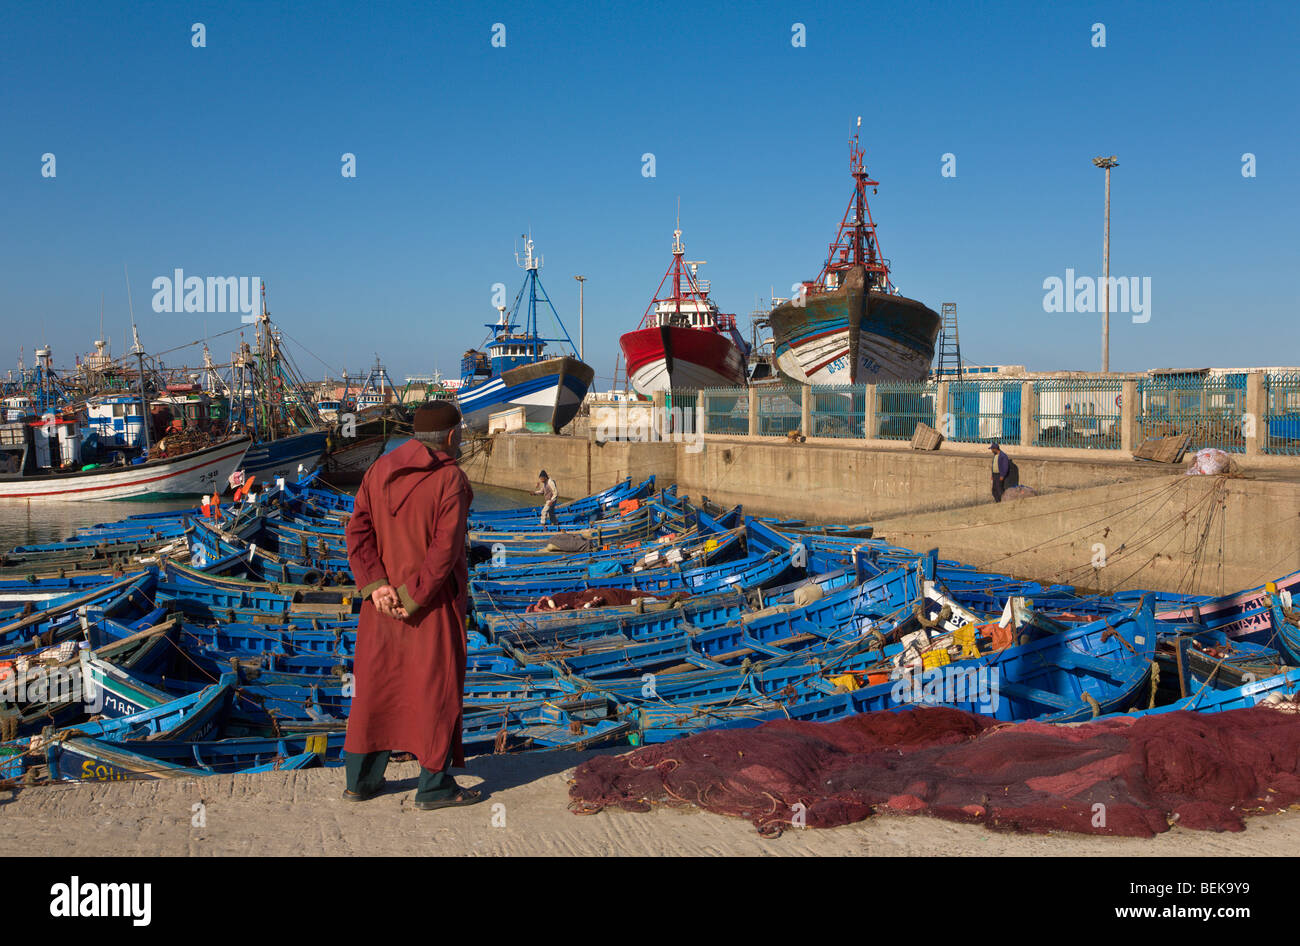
(406, 546)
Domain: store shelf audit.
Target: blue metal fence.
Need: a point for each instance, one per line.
(1211, 409)
(1078, 412)
(726, 410)
(900, 406)
(680, 413)
(983, 411)
(780, 410)
(1282, 413)
(838, 410)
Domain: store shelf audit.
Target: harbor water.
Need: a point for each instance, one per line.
(37, 523)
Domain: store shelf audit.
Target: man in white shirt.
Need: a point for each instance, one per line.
(547, 490)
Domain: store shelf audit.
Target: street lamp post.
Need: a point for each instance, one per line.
(581, 280)
(1106, 164)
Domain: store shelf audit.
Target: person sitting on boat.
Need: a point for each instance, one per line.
(406, 546)
(547, 490)
(1005, 474)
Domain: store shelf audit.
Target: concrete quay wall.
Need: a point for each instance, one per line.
(579, 466)
(821, 481)
(1156, 527)
(830, 481)
(1193, 534)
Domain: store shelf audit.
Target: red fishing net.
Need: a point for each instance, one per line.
(588, 598)
(1126, 776)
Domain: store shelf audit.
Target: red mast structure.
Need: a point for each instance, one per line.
(855, 243)
(693, 292)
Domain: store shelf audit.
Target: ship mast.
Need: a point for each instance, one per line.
(694, 290)
(855, 243)
(535, 293)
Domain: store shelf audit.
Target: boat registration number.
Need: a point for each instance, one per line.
(100, 773)
(1250, 689)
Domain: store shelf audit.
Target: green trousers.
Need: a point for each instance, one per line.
(365, 774)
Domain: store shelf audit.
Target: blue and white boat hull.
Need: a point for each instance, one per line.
(550, 392)
(282, 457)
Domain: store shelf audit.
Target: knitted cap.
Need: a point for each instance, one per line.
(436, 415)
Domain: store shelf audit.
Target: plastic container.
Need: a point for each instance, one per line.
(935, 658)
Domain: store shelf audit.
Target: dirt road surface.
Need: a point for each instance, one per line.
(302, 813)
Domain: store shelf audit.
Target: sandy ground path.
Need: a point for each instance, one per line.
(301, 813)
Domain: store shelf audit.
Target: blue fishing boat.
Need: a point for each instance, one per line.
(49, 691)
(515, 371)
(542, 725)
(194, 716)
(1286, 620)
(598, 504)
(97, 760)
(1073, 675)
(56, 620)
(287, 456)
(753, 571)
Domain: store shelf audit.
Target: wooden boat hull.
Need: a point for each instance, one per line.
(853, 336)
(95, 760)
(288, 457)
(680, 358)
(1245, 614)
(200, 472)
(550, 392)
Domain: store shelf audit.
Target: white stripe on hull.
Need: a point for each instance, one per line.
(879, 360)
(687, 376)
(882, 359)
(544, 398)
(539, 407)
(187, 475)
(800, 362)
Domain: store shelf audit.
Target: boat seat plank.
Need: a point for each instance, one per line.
(1018, 691)
(1098, 666)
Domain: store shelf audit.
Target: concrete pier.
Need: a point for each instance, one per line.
(1105, 521)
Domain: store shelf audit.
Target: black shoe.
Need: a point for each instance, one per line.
(349, 795)
(463, 797)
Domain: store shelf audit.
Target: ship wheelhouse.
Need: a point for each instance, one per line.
(117, 421)
(18, 408)
(511, 351)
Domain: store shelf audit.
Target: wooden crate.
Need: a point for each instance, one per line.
(926, 437)
(1163, 449)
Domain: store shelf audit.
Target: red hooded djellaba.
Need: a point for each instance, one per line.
(408, 530)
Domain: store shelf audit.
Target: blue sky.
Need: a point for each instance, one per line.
(226, 160)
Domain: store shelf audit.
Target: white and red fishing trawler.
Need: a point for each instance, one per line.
(684, 343)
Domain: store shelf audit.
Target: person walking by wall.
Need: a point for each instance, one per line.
(547, 489)
(1005, 474)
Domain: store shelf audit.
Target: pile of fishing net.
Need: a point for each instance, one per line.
(588, 598)
(1131, 776)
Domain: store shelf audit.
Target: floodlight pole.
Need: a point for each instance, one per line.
(1106, 164)
(581, 281)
